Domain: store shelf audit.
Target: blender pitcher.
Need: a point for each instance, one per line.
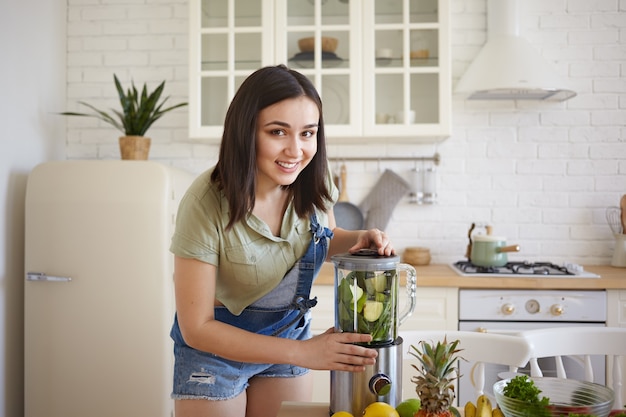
(366, 294)
(367, 289)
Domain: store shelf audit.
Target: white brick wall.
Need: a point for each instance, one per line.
(541, 173)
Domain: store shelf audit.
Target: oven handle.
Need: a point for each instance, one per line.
(509, 332)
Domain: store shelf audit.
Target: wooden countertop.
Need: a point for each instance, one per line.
(295, 409)
(442, 275)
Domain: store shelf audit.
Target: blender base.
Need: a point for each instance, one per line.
(382, 381)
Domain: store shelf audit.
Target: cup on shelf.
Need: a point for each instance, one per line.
(383, 56)
(384, 53)
(401, 117)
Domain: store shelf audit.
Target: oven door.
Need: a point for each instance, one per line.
(493, 373)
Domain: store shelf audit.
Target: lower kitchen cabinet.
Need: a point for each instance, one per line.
(616, 315)
(323, 318)
(436, 308)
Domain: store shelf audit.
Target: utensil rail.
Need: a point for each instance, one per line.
(436, 158)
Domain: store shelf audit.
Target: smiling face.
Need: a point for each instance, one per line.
(286, 140)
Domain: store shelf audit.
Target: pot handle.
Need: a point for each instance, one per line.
(411, 287)
(468, 252)
(512, 248)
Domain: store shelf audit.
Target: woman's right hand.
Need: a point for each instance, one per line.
(337, 352)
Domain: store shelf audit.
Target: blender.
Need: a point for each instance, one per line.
(367, 289)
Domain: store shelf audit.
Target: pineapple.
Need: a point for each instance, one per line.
(435, 383)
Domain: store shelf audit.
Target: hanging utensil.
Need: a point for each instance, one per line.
(614, 217)
(622, 205)
(347, 215)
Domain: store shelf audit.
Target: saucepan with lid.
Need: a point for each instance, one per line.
(490, 250)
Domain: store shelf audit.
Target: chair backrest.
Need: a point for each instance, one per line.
(581, 343)
(478, 348)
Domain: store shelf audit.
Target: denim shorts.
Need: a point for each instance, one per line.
(202, 375)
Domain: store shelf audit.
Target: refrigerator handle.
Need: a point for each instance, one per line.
(41, 276)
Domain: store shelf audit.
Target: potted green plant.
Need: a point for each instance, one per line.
(137, 114)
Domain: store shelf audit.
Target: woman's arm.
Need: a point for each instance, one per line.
(353, 240)
(195, 294)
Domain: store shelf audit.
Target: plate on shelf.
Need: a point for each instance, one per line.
(334, 98)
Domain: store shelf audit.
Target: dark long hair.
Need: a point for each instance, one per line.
(235, 172)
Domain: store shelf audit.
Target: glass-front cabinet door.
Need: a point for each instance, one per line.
(381, 66)
(407, 90)
(318, 38)
(229, 39)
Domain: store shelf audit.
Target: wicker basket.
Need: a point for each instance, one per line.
(416, 256)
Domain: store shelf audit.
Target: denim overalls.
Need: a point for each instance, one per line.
(284, 312)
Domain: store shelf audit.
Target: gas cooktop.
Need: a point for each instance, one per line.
(522, 269)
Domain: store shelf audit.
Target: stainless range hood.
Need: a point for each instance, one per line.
(508, 67)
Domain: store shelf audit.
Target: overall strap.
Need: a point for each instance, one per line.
(310, 264)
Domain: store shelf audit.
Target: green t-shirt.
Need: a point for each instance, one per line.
(250, 260)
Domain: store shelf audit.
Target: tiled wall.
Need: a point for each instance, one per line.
(541, 173)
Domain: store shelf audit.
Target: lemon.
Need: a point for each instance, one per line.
(380, 409)
(408, 408)
(342, 414)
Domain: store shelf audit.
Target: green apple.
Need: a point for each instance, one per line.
(408, 408)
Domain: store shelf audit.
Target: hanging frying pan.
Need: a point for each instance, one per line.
(347, 215)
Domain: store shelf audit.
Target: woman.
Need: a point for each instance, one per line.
(250, 238)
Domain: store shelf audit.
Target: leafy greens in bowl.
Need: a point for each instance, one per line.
(552, 397)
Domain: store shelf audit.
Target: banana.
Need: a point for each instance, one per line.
(483, 406)
(497, 413)
(470, 409)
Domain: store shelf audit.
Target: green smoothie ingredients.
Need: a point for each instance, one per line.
(367, 304)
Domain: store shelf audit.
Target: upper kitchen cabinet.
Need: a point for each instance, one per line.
(382, 67)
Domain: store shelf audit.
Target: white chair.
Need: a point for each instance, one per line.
(476, 347)
(581, 343)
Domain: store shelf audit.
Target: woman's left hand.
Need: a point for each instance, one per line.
(374, 239)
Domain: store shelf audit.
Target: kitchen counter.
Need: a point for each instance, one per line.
(295, 409)
(442, 275)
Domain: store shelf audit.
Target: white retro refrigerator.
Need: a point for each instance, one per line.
(99, 298)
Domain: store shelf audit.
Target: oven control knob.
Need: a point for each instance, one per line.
(556, 309)
(380, 384)
(508, 309)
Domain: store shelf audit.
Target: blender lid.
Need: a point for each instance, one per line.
(365, 260)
